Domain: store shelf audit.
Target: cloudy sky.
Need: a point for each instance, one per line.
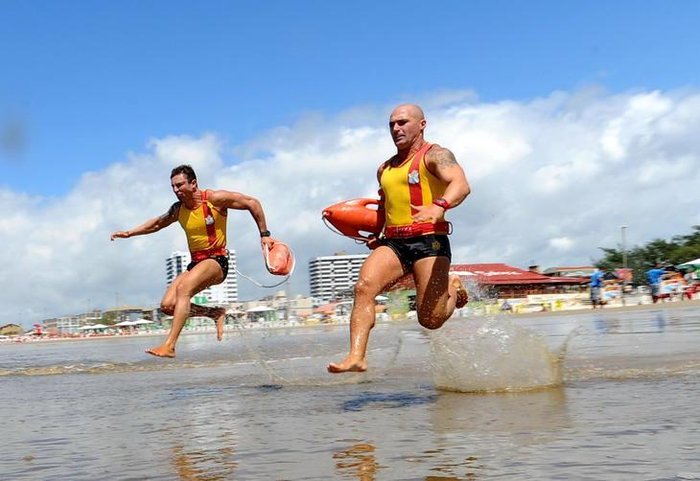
(571, 120)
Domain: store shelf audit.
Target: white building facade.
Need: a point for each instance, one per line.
(333, 277)
(224, 293)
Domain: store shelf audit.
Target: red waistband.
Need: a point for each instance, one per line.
(207, 253)
(413, 230)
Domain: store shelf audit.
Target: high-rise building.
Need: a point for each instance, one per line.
(224, 293)
(333, 277)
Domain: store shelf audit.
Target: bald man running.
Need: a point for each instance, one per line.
(417, 186)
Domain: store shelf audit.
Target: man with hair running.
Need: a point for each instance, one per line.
(417, 187)
(202, 214)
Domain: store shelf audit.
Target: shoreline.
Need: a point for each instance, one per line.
(614, 308)
(695, 303)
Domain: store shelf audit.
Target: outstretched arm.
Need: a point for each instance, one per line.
(151, 225)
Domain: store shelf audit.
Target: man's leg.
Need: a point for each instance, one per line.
(216, 313)
(177, 299)
(437, 293)
(380, 269)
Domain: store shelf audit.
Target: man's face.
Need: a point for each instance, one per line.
(181, 186)
(405, 126)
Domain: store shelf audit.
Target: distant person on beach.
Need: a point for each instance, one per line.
(690, 282)
(417, 187)
(597, 283)
(202, 214)
(654, 277)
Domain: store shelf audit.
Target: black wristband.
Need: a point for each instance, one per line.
(265, 233)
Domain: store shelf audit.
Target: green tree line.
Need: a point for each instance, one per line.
(679, 249)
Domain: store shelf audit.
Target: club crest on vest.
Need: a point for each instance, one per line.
(413, 177)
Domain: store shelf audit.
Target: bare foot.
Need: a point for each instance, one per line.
(348, 365)
(161, 351)
(220, 318)
(460, 292)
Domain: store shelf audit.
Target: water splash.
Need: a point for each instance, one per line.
(303, 371)
(493, 355)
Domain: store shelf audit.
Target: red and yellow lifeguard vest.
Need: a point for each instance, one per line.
(410, 183)
(205, 228)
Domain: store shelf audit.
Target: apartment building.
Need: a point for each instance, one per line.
(333, 277)
(224, 293)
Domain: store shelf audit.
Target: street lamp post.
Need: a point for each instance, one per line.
(623, 229)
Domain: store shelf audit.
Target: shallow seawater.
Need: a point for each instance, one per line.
(606, 395)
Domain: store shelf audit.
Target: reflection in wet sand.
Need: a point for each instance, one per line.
(357, 462)
(517, 414)
(198, 465)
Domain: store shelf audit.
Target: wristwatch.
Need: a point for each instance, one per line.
(265, 233)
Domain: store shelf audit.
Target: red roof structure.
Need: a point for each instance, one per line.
(507, 281)
(497, 274)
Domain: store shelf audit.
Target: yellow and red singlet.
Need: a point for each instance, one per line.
(410, 183)
(205, 228)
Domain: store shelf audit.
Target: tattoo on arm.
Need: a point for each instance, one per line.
(444, 158)
(171, 212)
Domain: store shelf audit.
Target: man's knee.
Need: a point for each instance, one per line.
(167, 308)
(430, 318)
(431, 322)
(183, 290)
(365, 288)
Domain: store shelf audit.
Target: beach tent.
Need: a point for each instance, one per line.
(693, 263)
(93, 326)
(124, 324)
(141, 322)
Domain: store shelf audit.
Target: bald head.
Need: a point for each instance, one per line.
(410, 110)
(406, 124)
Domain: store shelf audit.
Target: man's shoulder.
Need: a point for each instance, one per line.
(221, 198)
(437, 149)
(437, 153)
(214, 195)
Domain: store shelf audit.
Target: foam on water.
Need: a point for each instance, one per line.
(492, 355)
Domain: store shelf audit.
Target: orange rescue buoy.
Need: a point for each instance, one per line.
(355, 218)
(279, 259)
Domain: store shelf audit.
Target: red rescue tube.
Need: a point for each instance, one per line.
(355, 218)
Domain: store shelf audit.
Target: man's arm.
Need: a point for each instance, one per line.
(442, 164)
(151, 225)
(373, 242)
(235, 200)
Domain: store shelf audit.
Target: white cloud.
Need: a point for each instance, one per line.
(553, 179)
(561, 244)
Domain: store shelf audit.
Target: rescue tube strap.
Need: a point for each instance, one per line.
(208, 219)
(414, 184)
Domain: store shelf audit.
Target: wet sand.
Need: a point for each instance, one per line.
(259, 405)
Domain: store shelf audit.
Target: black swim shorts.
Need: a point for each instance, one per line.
(222, 260)
(411, 249)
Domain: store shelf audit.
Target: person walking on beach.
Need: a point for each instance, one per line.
(417, 187)
(654, 277)
(597, 281)
(202, 214)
